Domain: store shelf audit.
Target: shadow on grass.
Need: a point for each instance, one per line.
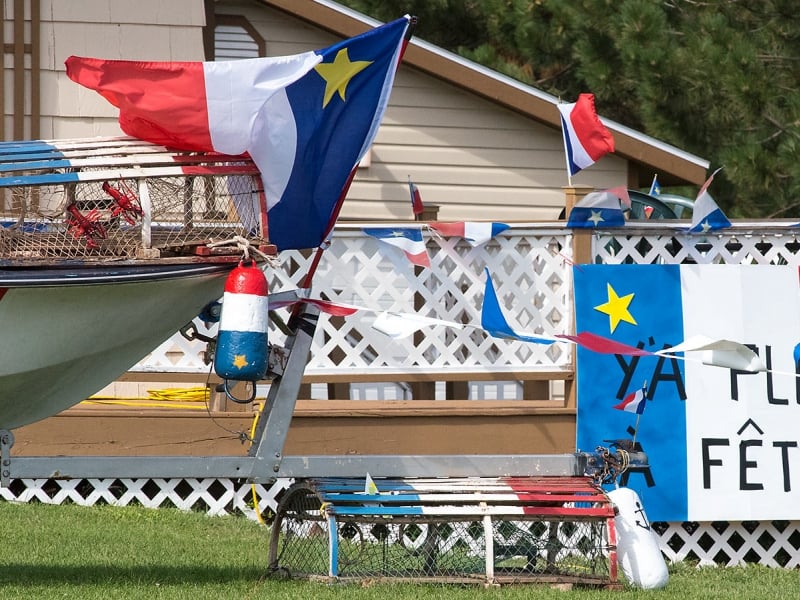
(36, 574)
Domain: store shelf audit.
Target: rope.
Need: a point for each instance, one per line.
(139, 403)
(253, 490)
(177, 398)
(232, 398)
(246, 248)
(192, 394)
(625, 459)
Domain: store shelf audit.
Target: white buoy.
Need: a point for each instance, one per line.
(638, 553)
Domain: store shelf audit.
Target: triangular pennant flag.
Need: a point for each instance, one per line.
(476, 233)
(369, 486)
(706, 215)
(493, 321)
(408, 239)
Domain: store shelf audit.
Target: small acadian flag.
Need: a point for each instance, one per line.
(416, 198)
(601, 208)
(634, 402)
(586, 139)
(655, 187)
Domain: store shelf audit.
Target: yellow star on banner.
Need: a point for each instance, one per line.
(337, 74)
(240, 361)
(616, 308)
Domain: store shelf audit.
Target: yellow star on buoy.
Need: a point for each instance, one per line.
(616, 308)
(337, 74)
(240, 361)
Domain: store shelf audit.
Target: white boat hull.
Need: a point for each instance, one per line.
(62, 342)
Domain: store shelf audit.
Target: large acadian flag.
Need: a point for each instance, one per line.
(306, 120)
(722, 443)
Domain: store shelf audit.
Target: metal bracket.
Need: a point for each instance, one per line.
(276, 416)
(6, 441)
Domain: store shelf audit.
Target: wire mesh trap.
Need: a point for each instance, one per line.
(121, 199)
(473, 530)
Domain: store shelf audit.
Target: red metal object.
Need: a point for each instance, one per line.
(127, 205)
(85, 226)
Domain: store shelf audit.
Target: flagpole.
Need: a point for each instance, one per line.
(566, 154)
(639, 415)
(636, 429)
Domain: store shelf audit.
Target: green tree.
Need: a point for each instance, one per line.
(717, 78)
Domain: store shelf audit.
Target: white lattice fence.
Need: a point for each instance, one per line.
(745, 243)
(531, 273)
(770, 543)
(213, 496)
(527, 270)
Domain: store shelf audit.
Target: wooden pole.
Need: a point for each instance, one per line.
(423, 390)
(581, 254)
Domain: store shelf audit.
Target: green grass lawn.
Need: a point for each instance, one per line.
(132, 552)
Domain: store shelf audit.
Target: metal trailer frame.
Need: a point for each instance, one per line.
(266, 461)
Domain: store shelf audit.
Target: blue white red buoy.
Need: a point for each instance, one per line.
(242, 351)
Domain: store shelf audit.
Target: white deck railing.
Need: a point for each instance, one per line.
(528, 271)
(531, 271)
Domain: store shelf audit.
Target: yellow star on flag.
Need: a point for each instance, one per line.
(616, 308)
(337, 74)
(240, 361)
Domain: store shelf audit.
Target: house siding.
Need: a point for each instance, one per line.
(144, 30)
(473, 159)
(470, 157)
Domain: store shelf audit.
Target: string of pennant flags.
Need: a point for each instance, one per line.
(586, 140)
(398, 325)
(605, 208)
(411, 242)
(598, 209)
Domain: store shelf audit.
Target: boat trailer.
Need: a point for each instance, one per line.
(460, 518)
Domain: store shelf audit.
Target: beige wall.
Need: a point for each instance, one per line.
(472, 158)
(117, 29)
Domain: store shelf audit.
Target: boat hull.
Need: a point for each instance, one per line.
(66, 334)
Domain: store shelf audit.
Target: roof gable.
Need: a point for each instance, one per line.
(673, 165)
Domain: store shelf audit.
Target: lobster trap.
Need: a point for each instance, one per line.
(467, 530)
(122, 198)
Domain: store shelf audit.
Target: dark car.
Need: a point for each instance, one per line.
(663, 206)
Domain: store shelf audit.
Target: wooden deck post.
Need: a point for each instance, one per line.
(423, 390)
(581, 254)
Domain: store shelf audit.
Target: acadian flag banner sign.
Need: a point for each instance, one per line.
(722, 444)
